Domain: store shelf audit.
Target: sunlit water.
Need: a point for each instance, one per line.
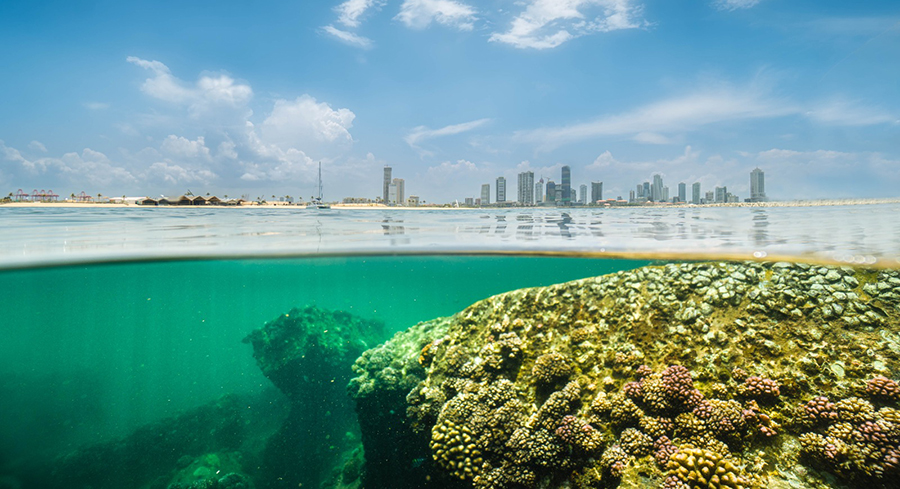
(115, 318)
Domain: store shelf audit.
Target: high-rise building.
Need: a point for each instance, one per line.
(646, 193)
(539, 191)
(551, 191)
(597, 191)
(397, 191)
(665, 194)
(387, 184)
(526, 184)
(695, 193)
(583, 194)
(631, 196)
(757, 186)
(500, 193)
(710, 197)
(486, 194)
(640, 191)
(682, 192)
(656, 189)
(566, 185)
(720, 195)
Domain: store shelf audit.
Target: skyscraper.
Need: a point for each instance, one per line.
(526, 184)
(566, 185)
(387, 185)
(583, 194)
(486, 194)
(720, 195)
(501, 190)
(539, 191)
(656, 189)
(551, 191)
(397, 191)
(640, 191)
(695, 193)
(757, 186)
(646, 193)
(682, 192)
(597, 191)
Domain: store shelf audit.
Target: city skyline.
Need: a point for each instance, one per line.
(128, 100)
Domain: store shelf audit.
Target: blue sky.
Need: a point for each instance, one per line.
(147, 98)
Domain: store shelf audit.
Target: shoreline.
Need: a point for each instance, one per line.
(794, 203)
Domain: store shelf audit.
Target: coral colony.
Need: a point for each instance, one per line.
(683, 376)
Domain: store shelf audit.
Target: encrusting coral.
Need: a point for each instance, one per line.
(700, 375)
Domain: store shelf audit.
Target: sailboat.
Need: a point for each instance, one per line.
(316, 202)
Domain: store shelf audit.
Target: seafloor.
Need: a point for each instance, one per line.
(676, 376)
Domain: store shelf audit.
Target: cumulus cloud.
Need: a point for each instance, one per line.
(210, 92)
(419, 14)
(546, 24)
(348, 38)
(304, 121)
(86, 168)
(172, 174)
(731, 5)
(180, 147)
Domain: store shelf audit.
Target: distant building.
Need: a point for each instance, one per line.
(645, 190)
(501, 190)
(631, 196)
(566, 185)
(413, 201)
(551, 191)
(757, 186)
(526, 184)
(470, 201)
(665, 194)
(397, 191)
(573, 195)
(656, 188)
(597, 191)
(710, 197)
(539, 191)
(682, 192)
(695, 193)
(583, 194)
(486, 194)
(387, 184)
(721, 195)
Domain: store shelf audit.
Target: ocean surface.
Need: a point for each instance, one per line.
(116, 318)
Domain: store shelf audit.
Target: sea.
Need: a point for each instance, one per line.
(121, 322)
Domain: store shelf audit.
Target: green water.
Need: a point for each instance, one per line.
(93, 352)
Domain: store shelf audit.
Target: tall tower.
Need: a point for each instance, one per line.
(656, 189)
(566, 185)
(582, 194)
(501, 190)
(524, 190)
(695, 193)
(486, 194)
(682, 192)
(539, 191)
(551, 191)
(757, 186)
(387, 185)
(597, 191)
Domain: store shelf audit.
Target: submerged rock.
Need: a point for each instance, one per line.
(687, 375)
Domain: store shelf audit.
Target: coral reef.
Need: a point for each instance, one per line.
(683, 375)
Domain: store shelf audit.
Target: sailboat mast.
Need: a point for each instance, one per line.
(320, 180)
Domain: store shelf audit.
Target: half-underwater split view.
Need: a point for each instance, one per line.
(450, 244)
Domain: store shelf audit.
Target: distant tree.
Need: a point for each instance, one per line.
(207, 194)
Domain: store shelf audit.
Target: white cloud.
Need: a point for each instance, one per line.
(226, 150)
(173, 174)
(304, 121)
(652, 138)
(676, 114)
(847, 113)
(96, 105)
(87, 168)
(546, 24)
(350, 11)
(422, 133)
(731, 5)
(180, 147)
(37, 145)
(419, 14)
(349, 38)
(210, 92)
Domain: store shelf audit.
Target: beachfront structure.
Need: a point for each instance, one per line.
(526, 183)
(500, 193)
(539, 191)
(695, 193)
(566, 185)
(385, 198)
(486, 194)
(413, 201)
(757, 185)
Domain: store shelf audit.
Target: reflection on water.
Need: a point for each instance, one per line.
(859, 233)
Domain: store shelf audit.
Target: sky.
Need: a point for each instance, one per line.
(235, 98)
